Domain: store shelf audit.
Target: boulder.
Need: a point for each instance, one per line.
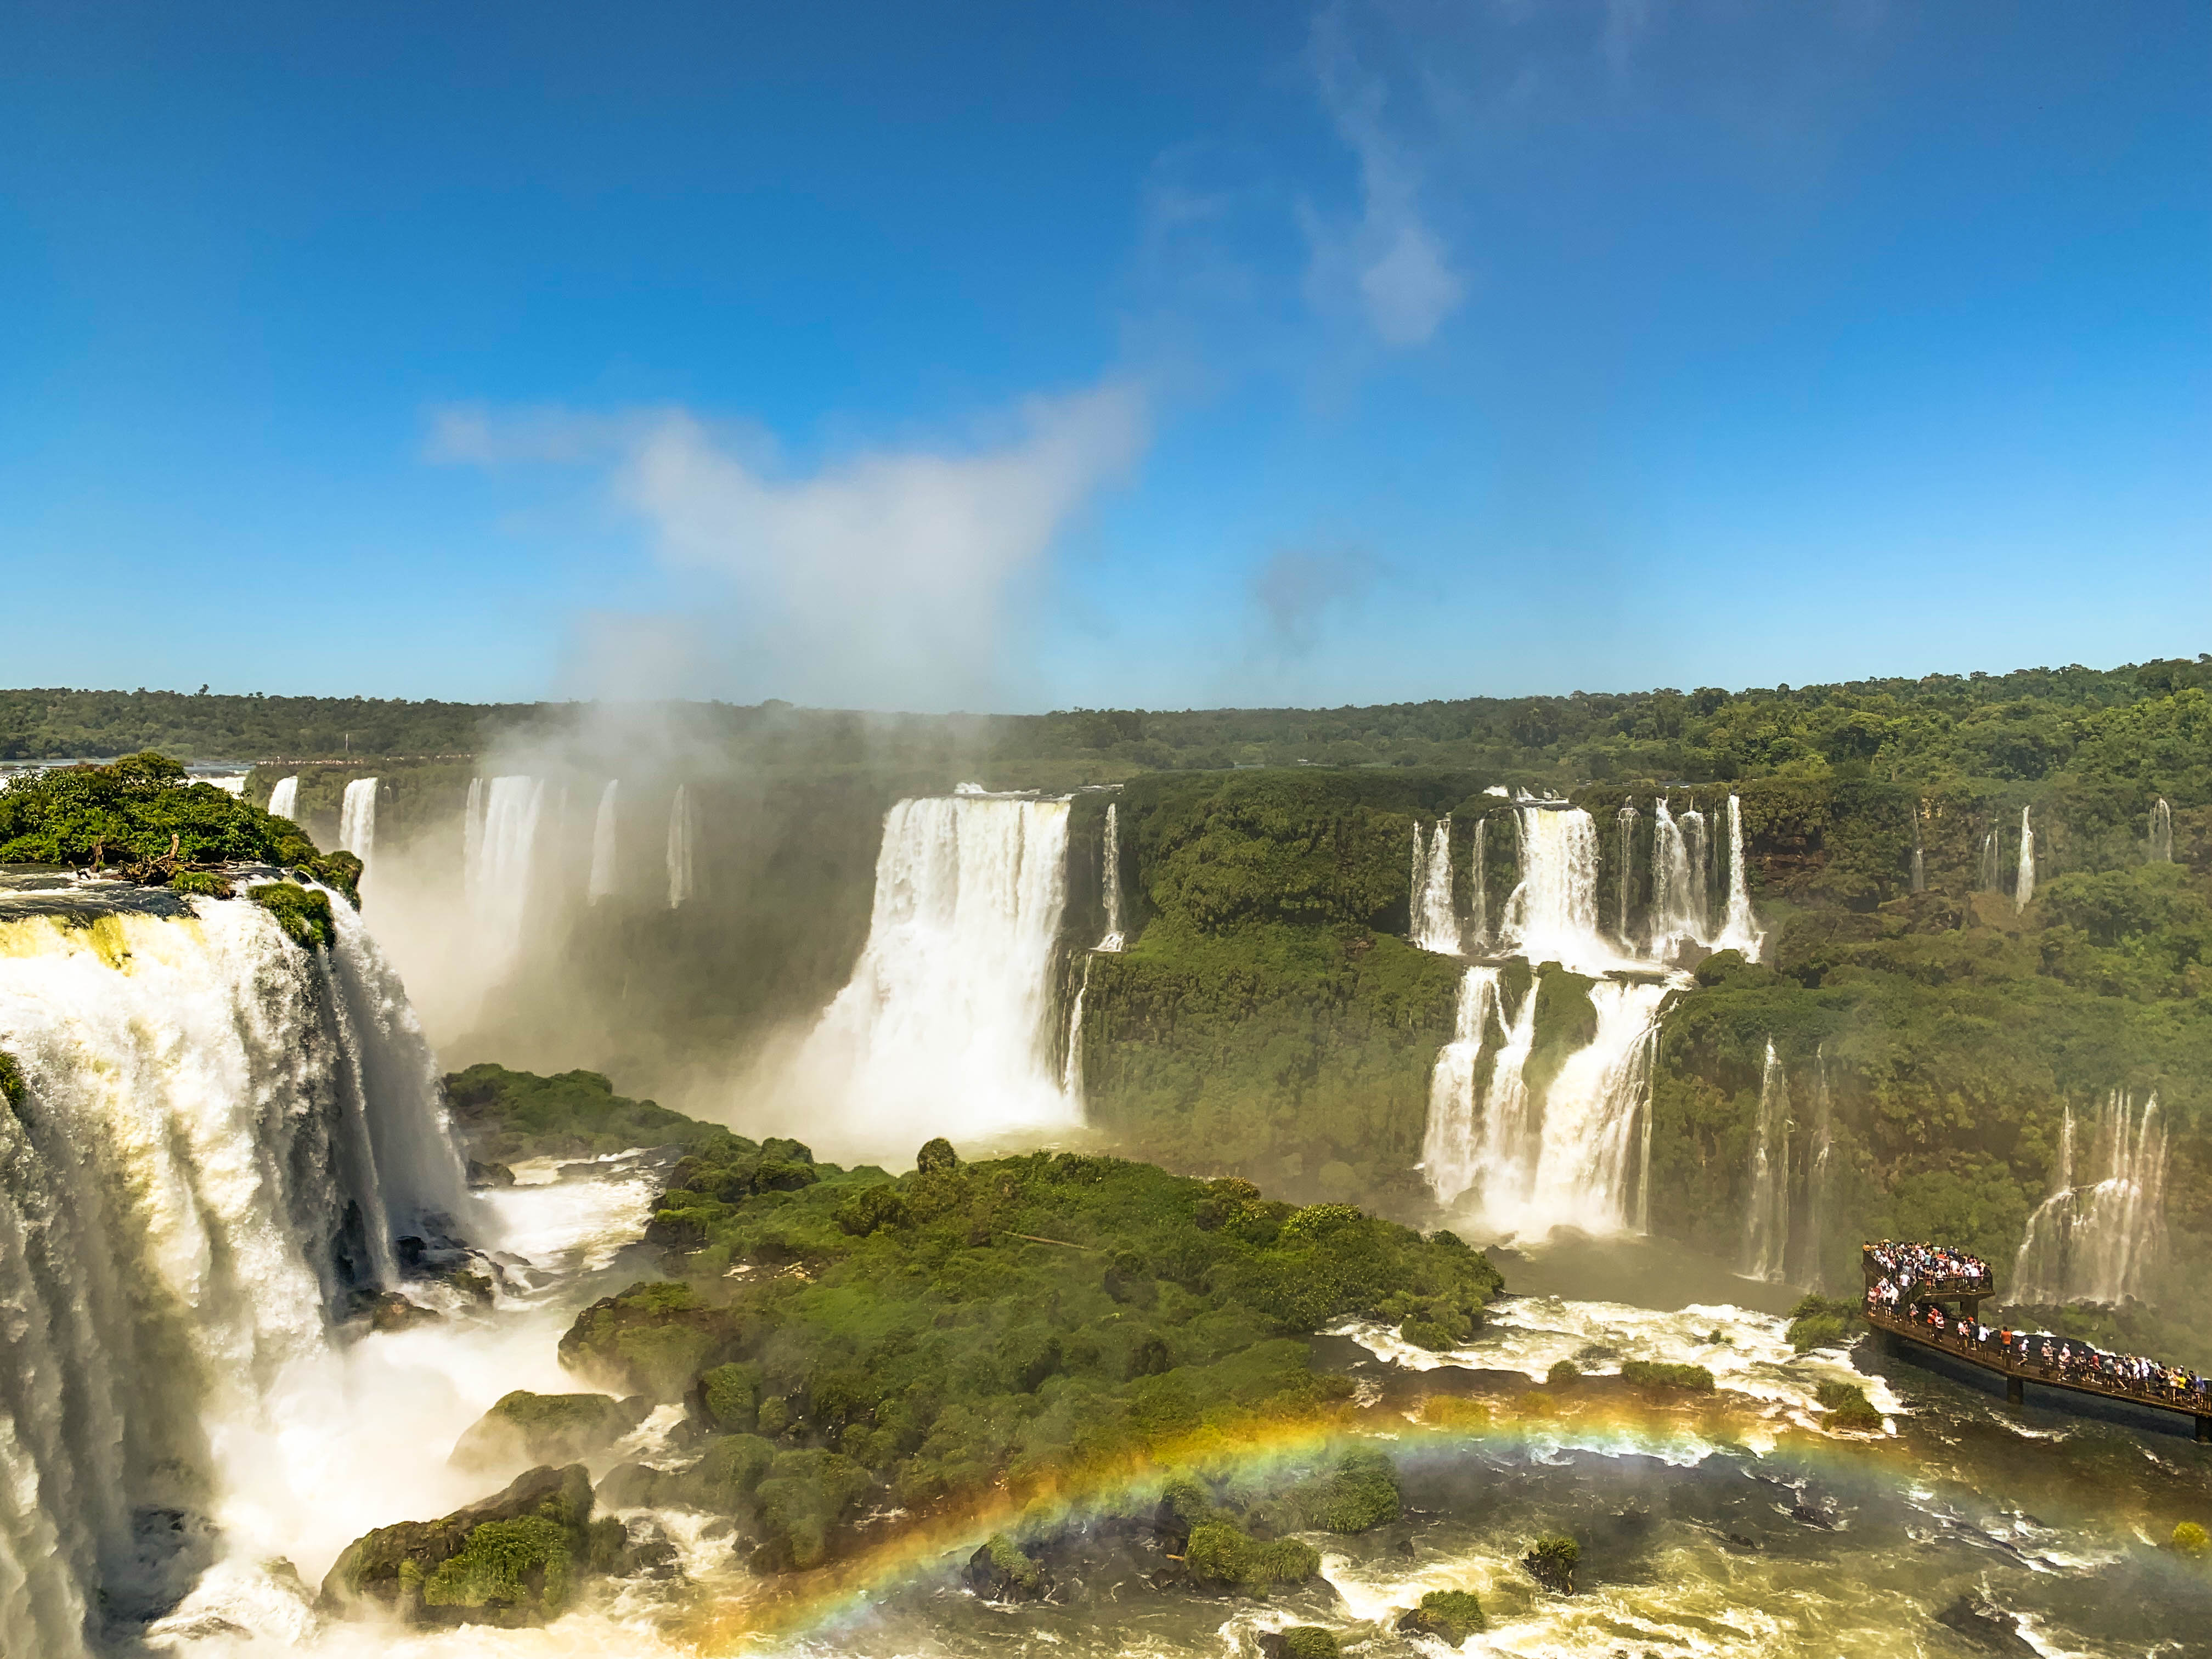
(1000, 1571)
(525, 1429)
(510, 1559)
(1449, 1616)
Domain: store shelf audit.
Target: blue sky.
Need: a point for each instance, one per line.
(1019, 356)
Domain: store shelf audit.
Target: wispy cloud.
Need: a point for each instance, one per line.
(887, 577)
(1388, 262)
(1296, 591)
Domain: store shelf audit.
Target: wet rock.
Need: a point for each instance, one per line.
(1000, 1571)
(490, 1175)
(1551, 1561)
(388, 1310)
(525, 1429)
(1299, 1642)
(1986, 1624)
(1449, 1616)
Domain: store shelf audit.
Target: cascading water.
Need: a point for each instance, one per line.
(357, 821)
(1450, 1146)
(1552, 915)
(284, 799)
(1436, 924)
(1591, 1112)
(1477, 910)
(1819, 1179)
(220, 1135)
(945, 1026)
(1111, 865)
(1678, 881)
(1986, 877)
(502, 843)
(2161, 833)
(601, 881)
(1624, 834)
(1739, 926)
(2023, 888)
(2097, 1241)
(1919, 858)
(680, 834)
(1071, 1067)
(1766, 1218)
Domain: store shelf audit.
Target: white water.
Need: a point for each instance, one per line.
(501, 845)
(1678, 885)
(2161, 833)
(601, 881)
(1739, 926)
(2023, 889)
(284, 799)
(1987, 880)
(1624, 859)
(1436, 924)
(1820, 1178)
(1450, 1145)
(682, 832)
(1111, 866)
(1477, 910)
(1766, 1215)
(207, 1105)
(357, 822)
(1071, 1067)
(1551, 914)
(1591, 1113)
(943, 1028)
(2099, 1235)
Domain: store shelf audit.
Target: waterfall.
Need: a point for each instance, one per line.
(220, 1137)
(1701, 887)
(284, 799)
(1677, 899)
(1624, 820)
(1591, 1111)
(1478, 918)
(1987, 879)
(2161, 833)
(1450, 1144)
(1766, 1220)
(2023, 889)
(501, 842)
(681, 831)
(1527, 1165)
(1112, 868)
(1436, 924)
(1739, 926)
(1071, 1067)
(1552, 915)
(357, 821)
(601, 881)
(1820, 1188)
(1919, 858)
(2098, 1240)
(943, 1028)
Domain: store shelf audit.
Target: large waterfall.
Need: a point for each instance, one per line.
(1624, 838)
(682, 834)
(946, 1025)
(500, 849)
(601, 881)
(220, 1135)
(1738, 927)
(1524, 1162)
(2023, 888)
(1552, 915)
(2161, 832)
(1477, 907)
(357, 821)
(1678, 880)
(1767, 1216)
(2098, 1235)
(284, 797)
(1436, 924)
(1110, 867)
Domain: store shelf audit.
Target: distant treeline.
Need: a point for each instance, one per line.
(2023, 726)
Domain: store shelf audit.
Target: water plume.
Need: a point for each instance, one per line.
(2023, 889)
(682, 832)
(1436, 923)
(2099, 1235)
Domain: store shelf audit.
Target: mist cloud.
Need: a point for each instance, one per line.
(1296, 591)
(890, 577)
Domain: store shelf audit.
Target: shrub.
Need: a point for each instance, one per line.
(2190, 1538)
(303, 912)
(12, 1086)
(1449, 1616)
(1360, 1492)
(1222, 1553)
(1847, 1407)
(1659, 1374)
(1300, 1642)
(1551, 1560)
(1820, 1323)
(1563, 1371)
(1427, 1334)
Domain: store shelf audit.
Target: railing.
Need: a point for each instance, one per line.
(2028, 1365)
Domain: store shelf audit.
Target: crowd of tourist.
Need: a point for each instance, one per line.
(1909, 1269)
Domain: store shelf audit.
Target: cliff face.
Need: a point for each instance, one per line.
(1268, 1018)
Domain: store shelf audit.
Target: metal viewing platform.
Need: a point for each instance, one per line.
(2169, 1388)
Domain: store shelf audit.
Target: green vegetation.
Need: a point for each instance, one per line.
(1300, 1642)
(1001, 1571)
(512, 1559)
(1552, 1561)
(973, 1327)
(1660, 1374)
(1847, 1407)
(139, 811)
(525, 1428)
(1449, 1616)
(12, 1086)
(2191, 1539)
(1817, 1321)
(506, 1116)
(1563, 1371)
(301, 912)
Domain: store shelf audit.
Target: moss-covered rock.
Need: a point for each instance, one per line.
(1551, 1561)
(1000, 1570)
(303, 912)
(1819, 1321)
(1219, 1552)
(527, 1428)
(1847, 1407)
(1659, 1375)
(1358, 1493)
(1299, 1642)
(13, 1089)
(1449, 1616)
(653, 1339)
(514, 1559)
